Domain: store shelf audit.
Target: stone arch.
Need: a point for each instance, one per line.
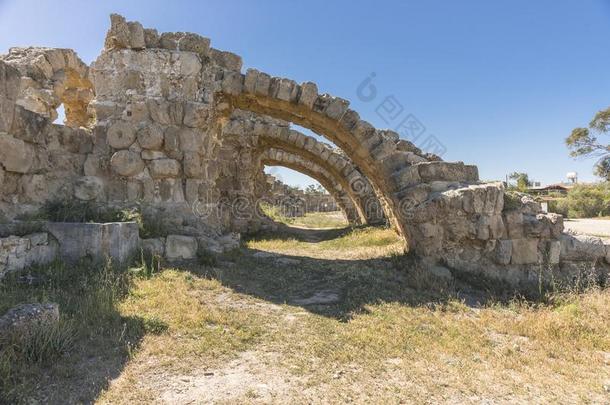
(51, 77)
(394, 167)
(272, 133)
(278, 157)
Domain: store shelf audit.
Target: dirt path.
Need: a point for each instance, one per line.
(589, 226)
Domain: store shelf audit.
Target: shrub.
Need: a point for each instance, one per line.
(589, 200)
(559, 206)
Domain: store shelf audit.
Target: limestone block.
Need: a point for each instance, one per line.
(406, 177)
(154, 247)
(525, 251)
(136, 35)
(151, 137)
(504, 251)
(92, 165)
(553, 251)
(582, 248)
(127, 163)
(171, 143)
(159, 111)
(430, 171)
(29, 126)
(118, 240)
(193, 165)
(15, 155)
(178, 247)
(88, 188)
(483, 228)
(196, 114)
(225, 59)
(514, 224)
(263, 82)
(121, 135)
(7, 112)
(136, 112)
(192, 190)
(24, 318)
(250, 81)
(190, 140)
(151, 38)
(35, 188)
(118, 35)
(232, 83)
(163, 168)
(285, 89)
(496, 226)
(186, 41)
(336, 108)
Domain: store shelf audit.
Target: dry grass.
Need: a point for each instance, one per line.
(321, 220)
(236, 333)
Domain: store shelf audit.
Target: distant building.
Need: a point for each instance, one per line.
(561, 188)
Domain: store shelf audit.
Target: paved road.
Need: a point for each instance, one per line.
(597, 227)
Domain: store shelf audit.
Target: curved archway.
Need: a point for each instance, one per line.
(396, 168)
(277, 157)
(270, 133)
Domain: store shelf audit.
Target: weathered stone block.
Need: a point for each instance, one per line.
(88, 188)
(430, 171)
(178, 247)
(121, 135)
(582, 248)
(15, 155)
(309, 94)
(225, 59)
(232, 83)
(25, 318)
(514, 224)
(118, 240)
(163, 168)
(504, 251)
(151, 137)
(35, 188)
(196, 114)
(154, 247)
(553, 251)
(525, 251)
(127, 163)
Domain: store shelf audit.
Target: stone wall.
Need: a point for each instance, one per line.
(153, 121)
(19, 252)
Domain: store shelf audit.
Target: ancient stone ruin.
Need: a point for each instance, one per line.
(170, 123)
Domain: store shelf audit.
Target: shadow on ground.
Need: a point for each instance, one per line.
(100, 340)
(334, 287)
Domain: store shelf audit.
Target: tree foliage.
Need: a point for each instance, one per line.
(522, 180)
(315, 189)
(583, 142)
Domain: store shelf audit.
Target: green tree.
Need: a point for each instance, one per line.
(522, 180)
(583, 142)
(315, 189)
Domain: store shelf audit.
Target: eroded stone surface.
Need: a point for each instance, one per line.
(165, 120)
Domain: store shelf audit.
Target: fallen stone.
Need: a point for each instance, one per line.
(20, 320)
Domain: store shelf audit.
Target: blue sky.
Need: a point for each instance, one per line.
(499, 84)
